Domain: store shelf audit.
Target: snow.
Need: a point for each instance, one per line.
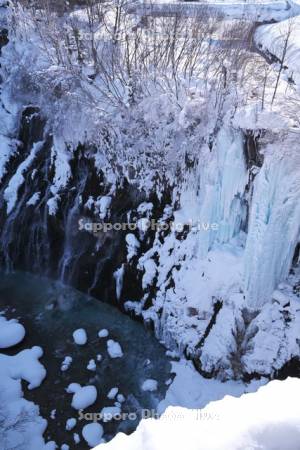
(150, 269)
(103, 205)
(274, 218)
(80, 336)
(66, 363)
(114, 349)
(120, 398)
(149, 385)
(11, 332)
(112, 393)
(73, 387)
(21, 424)
(82, 396)
(33, 199)
(118, 276)
(76, 438)
(108, 413)
(52, 204)
(11, 191)
(191, 390)
(271, 38)
(92, 433)
(91, 365)
(103, 333)
(132, 245)
(71, 423)
(25, 366)
(267, 419)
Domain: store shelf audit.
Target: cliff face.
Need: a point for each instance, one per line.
(185, 216)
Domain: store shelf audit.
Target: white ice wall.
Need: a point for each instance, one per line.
(214, 196)
(274, 223)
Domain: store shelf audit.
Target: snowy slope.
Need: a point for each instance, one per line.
(268, 419)
(272, 38)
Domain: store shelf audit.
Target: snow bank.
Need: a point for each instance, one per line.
(21, 425)
(268, 419)
(11, 332)
(26, 366)
(272, 38)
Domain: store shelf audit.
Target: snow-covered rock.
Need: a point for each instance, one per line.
(91, 365)
(103, 333)
(80, 336)
(109, 412)
(26, 366)
(112, 393)
(21, 423)
(114, 349)
(66, 363)
(11, 332)
(71, 423)
(149, 385)
(82, 396)
(92, 433)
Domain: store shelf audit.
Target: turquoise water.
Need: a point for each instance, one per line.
(50, 313)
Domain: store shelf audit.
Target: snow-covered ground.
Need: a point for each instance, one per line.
(21, 424)
(275, 37)
(268, 419)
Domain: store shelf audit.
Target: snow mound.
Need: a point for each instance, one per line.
(25, 366)
(103, 333)
(273, 38)
(80, 337)
(149, 385)
(71, 423)
(112, 393)
(11, 332)
(91, 365)
(108, 413)
(114, 349)
(268, 419)
(92, 433)
(21, 425)
(82, 396)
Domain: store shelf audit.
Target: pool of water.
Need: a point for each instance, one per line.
(50, 313)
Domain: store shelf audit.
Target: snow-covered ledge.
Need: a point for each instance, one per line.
(267, 419)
